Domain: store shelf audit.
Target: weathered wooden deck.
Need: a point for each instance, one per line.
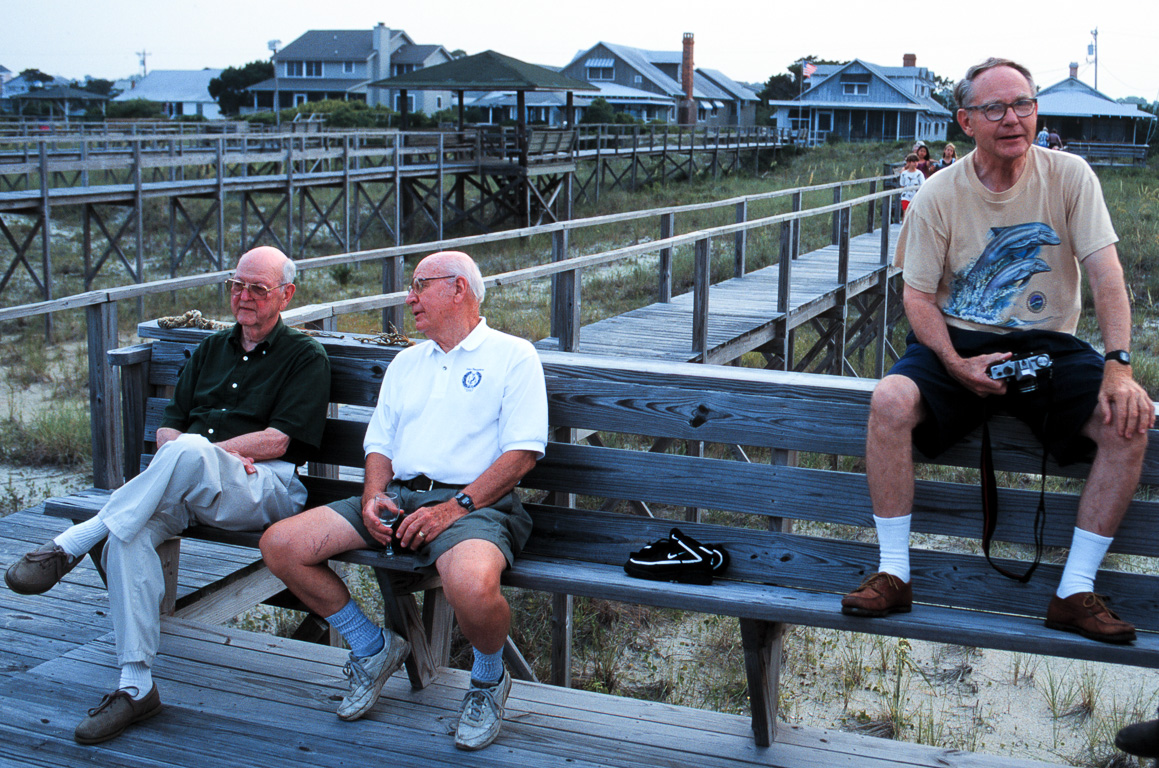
(742, 311)
(241, 698)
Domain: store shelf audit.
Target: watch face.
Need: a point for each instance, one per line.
(1120, 356)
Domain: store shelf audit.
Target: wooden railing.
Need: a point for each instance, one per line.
(563, 269)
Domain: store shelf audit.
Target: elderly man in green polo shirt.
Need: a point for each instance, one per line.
(249, 406)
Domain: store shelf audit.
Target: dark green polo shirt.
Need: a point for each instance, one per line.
(224, 391)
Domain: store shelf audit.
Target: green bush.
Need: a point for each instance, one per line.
(135, 108)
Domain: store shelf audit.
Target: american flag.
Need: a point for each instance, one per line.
(809, 69)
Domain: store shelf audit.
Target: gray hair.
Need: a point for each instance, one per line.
(461, 265)
(964, 90)
(289, 270)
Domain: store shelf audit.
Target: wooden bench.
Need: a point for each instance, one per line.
(657, 440)
(1100, 153)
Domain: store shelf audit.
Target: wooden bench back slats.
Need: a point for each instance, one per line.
(799, 493)
(806, 562)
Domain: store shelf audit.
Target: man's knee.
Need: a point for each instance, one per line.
(1128, 451)
(471, 573)
(280, 547)
(896, 404)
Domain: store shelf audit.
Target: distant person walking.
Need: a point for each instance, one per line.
(909, 180)
(949, 155)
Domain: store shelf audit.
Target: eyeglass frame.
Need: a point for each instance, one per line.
(257, 290)
(985, 108)
(419, 284)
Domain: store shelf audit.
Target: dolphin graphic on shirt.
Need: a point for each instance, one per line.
(984, 291)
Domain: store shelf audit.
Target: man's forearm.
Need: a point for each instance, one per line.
(266, 445)
(500, 478)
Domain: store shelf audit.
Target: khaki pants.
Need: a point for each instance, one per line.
(190, 481)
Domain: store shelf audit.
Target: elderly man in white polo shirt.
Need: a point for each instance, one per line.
(460, 419)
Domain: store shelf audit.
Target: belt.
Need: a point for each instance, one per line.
(424, 483)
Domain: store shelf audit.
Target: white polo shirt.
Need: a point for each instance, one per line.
(450, 415)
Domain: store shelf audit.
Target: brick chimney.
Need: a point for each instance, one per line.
(687, 111)
(1074, 70)
(909, 60)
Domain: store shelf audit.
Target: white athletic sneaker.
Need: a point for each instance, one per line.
(368, 675)
(482, 714)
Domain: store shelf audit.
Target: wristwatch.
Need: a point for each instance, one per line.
(1119, 356)
(465, 502)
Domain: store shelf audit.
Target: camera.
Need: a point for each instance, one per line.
(1024, 371)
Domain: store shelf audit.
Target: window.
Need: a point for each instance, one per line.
(313, 69)
(348, 67)
(401, 69)
(825, 121)
(410, 103)
(438, 102)
(638, 79)
(293, 69)
(601, 73)
(853, 84)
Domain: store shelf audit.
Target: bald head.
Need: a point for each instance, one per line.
(269, 261)
(459, 264)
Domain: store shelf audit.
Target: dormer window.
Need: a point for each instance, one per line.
(855, 84)
(600, 69)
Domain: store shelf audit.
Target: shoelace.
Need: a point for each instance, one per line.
(354, 669)
(109, 698)
(476, 698)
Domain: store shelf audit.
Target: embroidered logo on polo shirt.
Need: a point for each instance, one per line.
(472, 378)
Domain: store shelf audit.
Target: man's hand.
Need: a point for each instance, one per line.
(1124, 402)
(246, 461)
(425, 523)
(372, 519)
(971, 373)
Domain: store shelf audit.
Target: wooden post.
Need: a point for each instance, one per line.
(565, 297)
(796, 198)
(667, 229)
(836, 237)
(843, 290)
(886, 203)
(701, 282)
(742, 215)
(561, 634)
(439, 188)
(104, 396)
(346, 202)
(46, 237)
(869, 209)
(220, 203)
(289, 166)
(139, 211)
(763, 642)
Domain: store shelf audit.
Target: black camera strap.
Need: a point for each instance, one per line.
(990, 499)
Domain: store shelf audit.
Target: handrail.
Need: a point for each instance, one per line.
(90, 298)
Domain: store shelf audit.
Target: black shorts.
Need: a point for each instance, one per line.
(1056, 413)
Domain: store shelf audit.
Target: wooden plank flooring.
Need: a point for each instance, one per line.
(240, 698)
(740, 309)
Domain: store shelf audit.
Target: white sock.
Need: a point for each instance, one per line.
(82, 537)
(893, 542)
(1086, 555)
(136, 674)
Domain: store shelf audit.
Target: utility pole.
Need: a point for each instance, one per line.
(1093, 50)
(144, 55)
(273, 45)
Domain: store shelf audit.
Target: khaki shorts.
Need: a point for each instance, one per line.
(505, 523)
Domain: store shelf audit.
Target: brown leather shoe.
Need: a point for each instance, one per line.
(879, 595)
(116, 712)
(1087, 614)
(40, 570)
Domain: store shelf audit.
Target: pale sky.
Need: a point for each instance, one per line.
(748, 41)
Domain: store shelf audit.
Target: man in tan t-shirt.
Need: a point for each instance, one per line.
(991, 250)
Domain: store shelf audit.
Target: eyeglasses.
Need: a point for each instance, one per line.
(996, 110)
(257, 290)
(419, 284)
